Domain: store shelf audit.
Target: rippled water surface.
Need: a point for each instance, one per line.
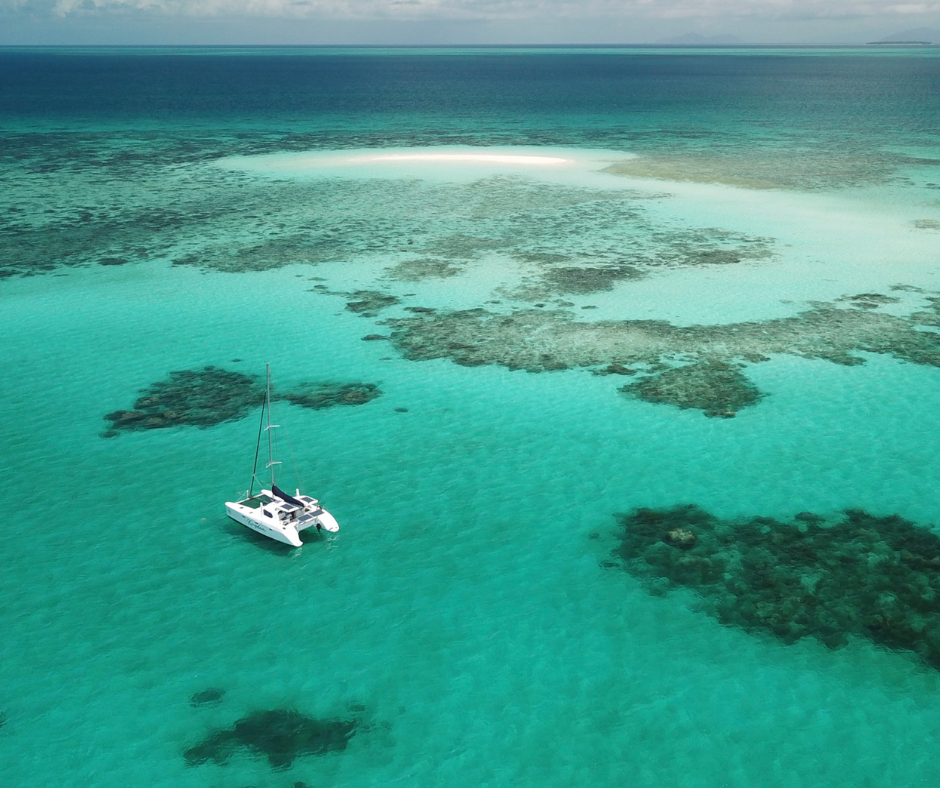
(511, 297)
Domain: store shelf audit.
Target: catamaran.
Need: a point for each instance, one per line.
(272, 512)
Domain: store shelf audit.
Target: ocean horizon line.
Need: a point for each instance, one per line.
(871, 46)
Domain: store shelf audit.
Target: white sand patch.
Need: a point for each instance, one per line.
(473, 158)
(440, 164)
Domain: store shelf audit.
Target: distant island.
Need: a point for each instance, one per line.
(900, 43)
(918, 36)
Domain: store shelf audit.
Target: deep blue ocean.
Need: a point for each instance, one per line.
(619, 368)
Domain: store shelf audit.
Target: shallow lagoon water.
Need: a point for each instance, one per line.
(464, 612)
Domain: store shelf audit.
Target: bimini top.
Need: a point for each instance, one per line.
(285, 497)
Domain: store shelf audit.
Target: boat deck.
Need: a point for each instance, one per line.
(256, 502)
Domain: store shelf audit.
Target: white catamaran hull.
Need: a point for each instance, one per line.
(282, 533)
(271, 516)
(326, 520)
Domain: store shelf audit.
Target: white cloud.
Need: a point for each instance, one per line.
(480, 9)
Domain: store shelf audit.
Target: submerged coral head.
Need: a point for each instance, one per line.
(208, 697)
(869, 577)
(281, 735)
(717, 388)
(198, 398)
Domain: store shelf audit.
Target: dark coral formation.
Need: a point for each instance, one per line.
(208, 697)
(605, 264)
(614, 369)
(78, 235)
(199, 398)
(369, 303)
(871, 577)
(804, 168)
(539, 340)
(574, 280)
(708, 247)
(281, 735)
(716, 387)
(423, 268)
(234, 223)
(318, 396)
(221, 219)
(463, 247)
(268, 253)
(868, 300)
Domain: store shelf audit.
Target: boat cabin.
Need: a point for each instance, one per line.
(277, 509)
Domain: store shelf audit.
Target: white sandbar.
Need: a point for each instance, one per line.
(487, 158)
(442, 164)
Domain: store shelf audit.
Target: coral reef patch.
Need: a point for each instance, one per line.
(369, 303)
(266, 254)
(806, 169)
(864, 576)
(615, 369)
(868, 300)
(584, 270)
(318, 396)
(573, 280)
(207, 697)
(217, 219)
(198, 398)
(539, 340)
(715, 387)
(423, 268)
(280, 735)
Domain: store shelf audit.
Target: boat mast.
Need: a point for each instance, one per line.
(254, 468)
(267, 398)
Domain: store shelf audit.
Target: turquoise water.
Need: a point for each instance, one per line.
(468, 613)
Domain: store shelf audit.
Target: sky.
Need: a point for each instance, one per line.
(452, 22)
